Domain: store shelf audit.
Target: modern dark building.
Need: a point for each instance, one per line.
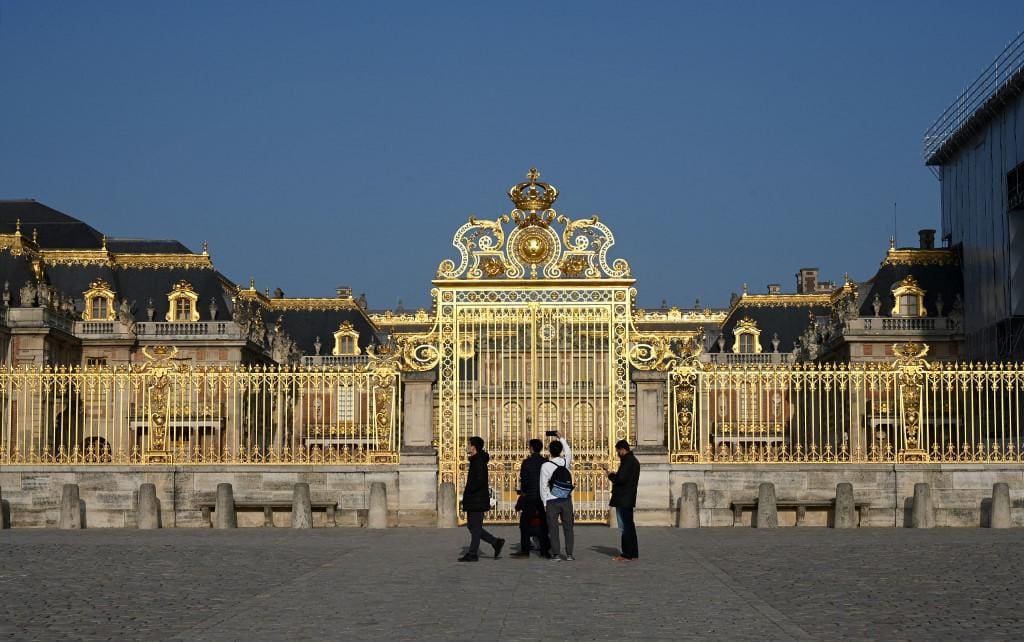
(976, 149)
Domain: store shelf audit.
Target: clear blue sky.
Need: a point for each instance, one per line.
(319, 144)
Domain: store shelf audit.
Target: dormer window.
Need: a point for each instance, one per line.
(747, 337)
(346, 340)
(909, 299)
(99, 302)
(182, 302)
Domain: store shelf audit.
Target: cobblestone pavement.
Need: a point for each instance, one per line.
(405, 584)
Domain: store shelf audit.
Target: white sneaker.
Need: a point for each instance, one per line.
(570, 558)
(556, 558)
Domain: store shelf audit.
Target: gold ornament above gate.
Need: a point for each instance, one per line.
(533, 247)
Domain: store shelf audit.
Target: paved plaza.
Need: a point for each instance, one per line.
(405, 584)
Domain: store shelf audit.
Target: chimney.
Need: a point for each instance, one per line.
(343, 292)
(774, 288)
(807, 280)
(927, 239)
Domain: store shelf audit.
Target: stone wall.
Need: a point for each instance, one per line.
(960, 492)
(111, 492)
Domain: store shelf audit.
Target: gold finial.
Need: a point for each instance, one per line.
(744, 288)
(252, 283)
(892, 242)
(17, 227)
(35, 235)
(533, 175)
(206, 249)
(104, 241)
(846, 278)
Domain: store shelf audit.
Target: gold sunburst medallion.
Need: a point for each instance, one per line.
(534, 247)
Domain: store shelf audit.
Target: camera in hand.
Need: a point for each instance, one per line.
(551, 433)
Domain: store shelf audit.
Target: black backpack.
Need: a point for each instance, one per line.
(560, 484)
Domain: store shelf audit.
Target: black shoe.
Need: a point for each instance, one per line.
(520, 554)
(498, 546)
(469, 558)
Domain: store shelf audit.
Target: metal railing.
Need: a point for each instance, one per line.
(1009, 62)
(172, 413)
(909, 412)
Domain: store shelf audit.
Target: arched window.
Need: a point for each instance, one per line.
(909, 299)
(513, 417)
(182, 303)
(547, 417)
(747, 337)
(99, 302)
(582, 419)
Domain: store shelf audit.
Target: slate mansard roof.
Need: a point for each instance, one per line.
(73, 254)
(785, 315)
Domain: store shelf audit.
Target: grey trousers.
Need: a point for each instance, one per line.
(560, 508)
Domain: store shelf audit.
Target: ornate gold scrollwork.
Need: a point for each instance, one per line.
(160, 364)
(657, 353)
(418, 353)
(533, 247)
(684, 382)
(910, 364)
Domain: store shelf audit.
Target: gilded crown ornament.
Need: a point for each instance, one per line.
(533, 249)
(533, 196)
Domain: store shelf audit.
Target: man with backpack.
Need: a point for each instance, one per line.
(556, 490)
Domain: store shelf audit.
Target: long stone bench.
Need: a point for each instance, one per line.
(268, 508)
(801, 506)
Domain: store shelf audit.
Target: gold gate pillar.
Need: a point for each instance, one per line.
(910, 364)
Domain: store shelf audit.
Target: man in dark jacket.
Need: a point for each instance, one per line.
(624, 484)
(476, 500)
(532, 518)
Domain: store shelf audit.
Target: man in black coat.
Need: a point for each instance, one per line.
(532, 518)
(476, 500)
(624, 485)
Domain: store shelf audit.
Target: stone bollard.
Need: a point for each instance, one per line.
(5, 512)
(767, 515)
(378, 515)
(302, 509)
(1000, 517)
(688, 514)
(447, 516)
(224, 516)
(922, 513)
(846, 509)
(71, 508)
(148, 514)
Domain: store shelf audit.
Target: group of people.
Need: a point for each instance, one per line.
(545, 500)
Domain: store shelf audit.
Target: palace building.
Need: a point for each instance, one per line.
(141, 351)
